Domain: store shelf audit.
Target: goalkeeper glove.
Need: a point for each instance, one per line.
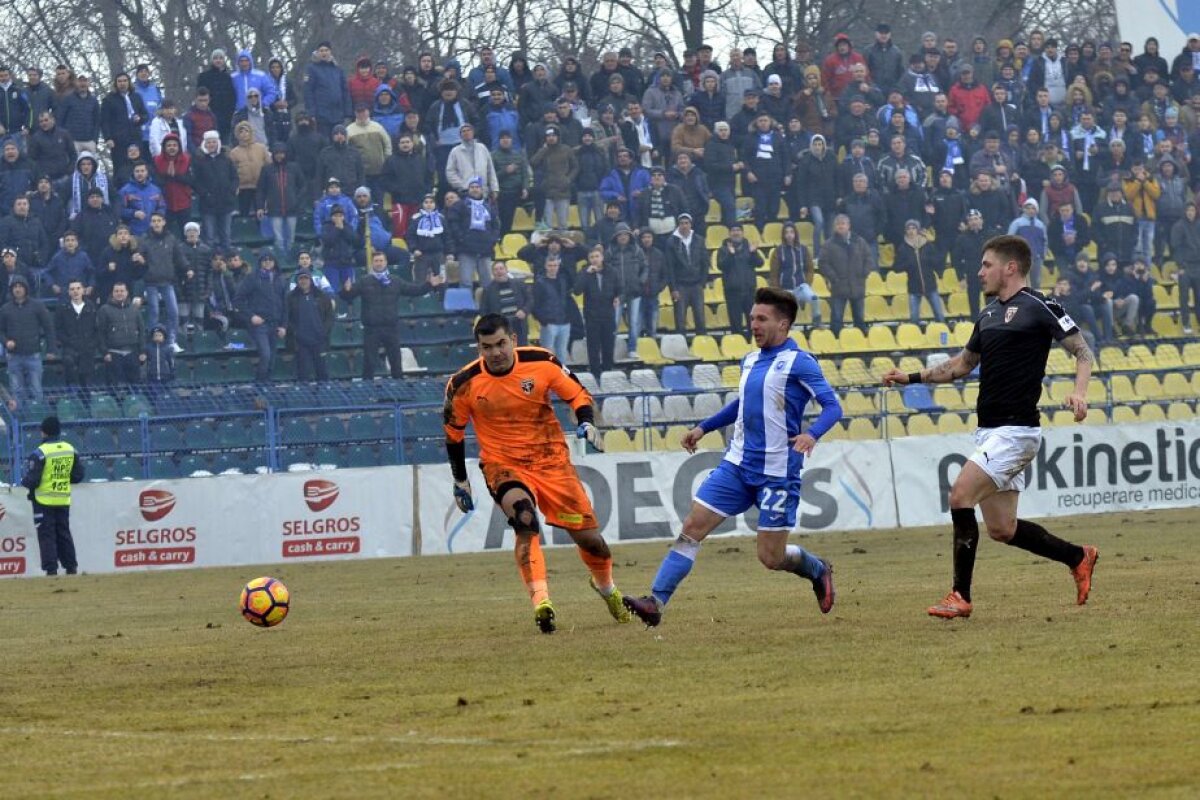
(589, 432)
(462, 497)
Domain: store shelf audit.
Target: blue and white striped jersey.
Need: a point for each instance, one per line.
(776, 386)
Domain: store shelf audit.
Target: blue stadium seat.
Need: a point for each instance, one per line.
(166, 438)
(459, 299)
(676, 378)
(919, 398)
(127, 469)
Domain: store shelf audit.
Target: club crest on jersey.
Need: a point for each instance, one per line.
(779, 366)
(527, 385)
(1009, 313)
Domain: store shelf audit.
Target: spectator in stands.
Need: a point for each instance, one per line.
(654, 283)
(326, 93)
(1087, 139)
(968, 98)
(407, 178)
(304, 261)
(69, 264)
(427, 240)
(309, 323)
(737, 262)
(363, 83)
(593, 167)
(625, 262)
(845, 265)
(1185, 250)
(260, 302)
(766, 169)
(1115, 223)
(25, 326)
(173, 168)
(194, 280)
(917, 257)
(16, 174)
(221, 308)
(1174, 195)
(24, 233)
(551, 296)
(1086, 286)
(947, 209)
(47, 206)
(687, 261)
(222, 97)
(444, 121)
(94, 224)
(1059, 191)
(380, 292)
(373, 144)
(1029, 226)
(167, 122)
(570, 129)
(75, 334)
(693, 185)
(626, 184)
(601, 292)
(249, 158)
(663, 103)
(121, 336)
(995, 205)
(903, 203)
(200, 119)
(51, 149)
(510, 298)
(721, 167)
(816, 178)
(160, 359)
(333, 198)
(919, 85)
(773, 102)
(339, 160)
(791, 268)
(1140, 283)
(835, 72)
(1081, 312)
(338, 242)
(280, 196)
(900, 160)
(884, 59)
(814, 105)
(79, 114)
(1122, 297)
(13, 268)
(254, 113)
(555, 167)
(164, 262)
(474, 224)
(1069, 234)
(371, 224)
(215, 182)
(1143, 192)
(122, 114)
(121, 262)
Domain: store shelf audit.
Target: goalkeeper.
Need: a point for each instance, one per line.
(524, 458)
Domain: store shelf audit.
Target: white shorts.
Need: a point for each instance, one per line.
(1004, 452)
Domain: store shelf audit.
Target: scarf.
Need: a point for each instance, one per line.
(80, 187)
(766, 147)
(128, 104)
(429, 223)
(954, 154)
(383, 277)
(480, 215)
(791, 261)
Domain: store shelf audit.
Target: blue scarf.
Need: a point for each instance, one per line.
(953, 151)
(384, 277)
(480, 216)
(429, 223)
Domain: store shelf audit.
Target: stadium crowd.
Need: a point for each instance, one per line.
(118, 206)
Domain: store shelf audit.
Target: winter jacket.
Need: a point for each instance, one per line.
(555, 168)
(197, 259)
(379, 299)
(719, 158)
(16, 180)
(222, 98)
(900, 208)
(372, 143)
(511, 182)
(338, 245)
(27, 324)
(93, 227)
(790, 267)
(628, 265)
(324, 211)
(326, 93)
(845, 263)
(1033, 231)
(686, 264)
(53, 151)
(309, 319)
(1115, 229)
(467, 162)
(27, 236)
(79, 115)
(660, 209)
(550, 298)
(263, 296)
(281, 190)
(51, 211)
(470, 236)
(599, 290)
(144, 197)
(738, 267)
(817, 180)
(215, 182)
(505, 297)
(920, 263)
(119, 326)
(1143, 196)
(629, 185)
(65, 267)
(76, 331)
(198, 122)
(593, 166)
(494, 119)
(115, 122)
(770, 165)
(868, 216)
(343, 162)
(968, 102)
(249, 161)
(389, 114)
(426, 236)
(1185, 246)
(176, 178)
(406, 177)
(886, 64)
(250, 78)
(164, 258)
(160, 361)
(116, 265)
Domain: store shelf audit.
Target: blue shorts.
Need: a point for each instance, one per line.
(729, 490)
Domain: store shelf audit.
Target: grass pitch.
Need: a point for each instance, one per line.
(425, 678)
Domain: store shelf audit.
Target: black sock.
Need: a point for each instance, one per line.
(966, 542)
(1039, 541)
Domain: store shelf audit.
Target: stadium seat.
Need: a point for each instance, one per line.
(1167, 356)
(1175, 386)
(1122, 389)
(1097, 416)
(667, 439)
(105, 406)
(127, 469)
(1180, 411)
(948, 397)
(880, 365)
(1148, 387)
(677, 408)
(962, 333)
(676, 378)
(645, 380)
(734, 347)
(707, 376)
(731, 376)
(1060, 362)
(647, 408)
(799, 338)
(918, 398)
(619, 441)
(855, 373)
(716, 317)
(648, 352)
(880, 338)
(614, 381)
(909, 337)
(459, 299)
(616, 412)
(862, 428)
(1123, 414)
(1191, 354)
(852, 340)
(589, 382)
(705, 348)
(1140, 357)
(831, 372)
(674, 348)
(705, 404)
(822, 342)
(1149, 412)
(855, 403)
(937, 334)
(952, 423)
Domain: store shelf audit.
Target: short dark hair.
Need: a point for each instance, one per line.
(780, 299)
(51, 426)
(1012, 248)
(492, 323)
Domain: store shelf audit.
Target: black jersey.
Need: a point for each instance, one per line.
(1013, 339)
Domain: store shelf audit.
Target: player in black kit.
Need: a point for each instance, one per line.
(1010, 343)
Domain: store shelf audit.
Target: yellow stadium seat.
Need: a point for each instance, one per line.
(1122, 389)
(880, 365)
(921, 425)
(909, 337)
(1175, 386)
(937, 334)
(1152, 412)
(522, 220)
(1097, 393)
(899, 306)
(1180, 411)
(710, 441)
(952, 423)
(716, 316)
(647, 350)
(948, 281)
(1046, 422)
(1167, 356)
(893, 427)
(1166, 297)
(731, 376)
(753, 237)
(1148, 387)
(1166, 325)
(1123, 414)
(714, 292)
(799, 338)
(878, 309)
(618, 441)
(897, 283)
(962, 333)
(1063, 418)
(831, 372)
(910, 364)
(958, 305)
(772, 234)
(852, 340)
(856, 404)
(1140, 357)
(876, 285)
(1060, 362)
(970, 395)
(948, 397)
(822, 341)
(715, 236)
(887, 255)
(855, 372)
(1096, 416)
(879, 337)
(862, 428)
(1191, 354)
(819, 285)
(705, 348)
(511, 244)
(836, 433)
(734, 346)
(1048, 400)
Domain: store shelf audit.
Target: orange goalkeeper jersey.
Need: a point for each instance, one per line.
(514, 420)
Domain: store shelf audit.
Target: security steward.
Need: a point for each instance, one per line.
(49, 473)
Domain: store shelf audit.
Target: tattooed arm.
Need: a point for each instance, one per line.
(1077, 400)
(945, 372)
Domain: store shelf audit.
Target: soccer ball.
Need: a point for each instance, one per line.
(265, 602)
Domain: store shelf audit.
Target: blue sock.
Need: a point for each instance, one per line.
(804, 563)
(674, 568)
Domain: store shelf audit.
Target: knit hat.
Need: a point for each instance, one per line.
(191, 226)
(266, 254)
(1031, 202)
(339, 128)
(363, 190)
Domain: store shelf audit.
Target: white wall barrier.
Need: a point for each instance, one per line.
(402, 511)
